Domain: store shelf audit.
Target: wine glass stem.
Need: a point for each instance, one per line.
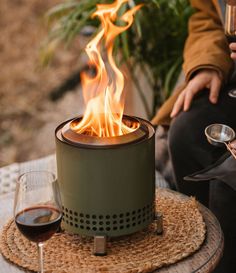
(40, 257)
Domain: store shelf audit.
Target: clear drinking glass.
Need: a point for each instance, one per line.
(230, 30)
(37, 208)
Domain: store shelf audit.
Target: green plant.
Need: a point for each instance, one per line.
(155, 41)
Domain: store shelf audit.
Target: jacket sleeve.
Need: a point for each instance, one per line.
(206, 46)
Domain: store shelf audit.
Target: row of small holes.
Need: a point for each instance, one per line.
(104, 223)
(107, 228)
(114, 216)
(86, 223)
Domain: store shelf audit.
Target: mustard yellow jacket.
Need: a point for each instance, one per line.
(206, 47)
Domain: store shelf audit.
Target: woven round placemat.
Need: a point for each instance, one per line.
(184, 232)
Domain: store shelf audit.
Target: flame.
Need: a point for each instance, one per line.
(103, 94)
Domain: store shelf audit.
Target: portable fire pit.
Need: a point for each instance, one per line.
(105, 160)
(107, 184)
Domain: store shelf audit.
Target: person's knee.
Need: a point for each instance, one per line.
(179, 133)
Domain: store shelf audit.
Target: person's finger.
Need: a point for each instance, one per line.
(232, 46)
(233, 55)
(233, 144)
(190, 93)
(215, 90)
(178, 105)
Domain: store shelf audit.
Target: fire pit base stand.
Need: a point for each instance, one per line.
(100, 242)
(100, 246)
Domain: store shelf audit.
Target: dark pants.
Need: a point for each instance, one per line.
(190, 152)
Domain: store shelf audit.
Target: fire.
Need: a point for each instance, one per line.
(103, 94)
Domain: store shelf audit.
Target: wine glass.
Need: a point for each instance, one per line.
(37, 208)
(230, 30)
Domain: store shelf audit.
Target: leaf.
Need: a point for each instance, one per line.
(156, 3)
(60, 10)
(169, 76)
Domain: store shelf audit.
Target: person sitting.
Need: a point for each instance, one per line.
(201, 101)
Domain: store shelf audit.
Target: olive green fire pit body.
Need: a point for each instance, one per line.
(107, 184)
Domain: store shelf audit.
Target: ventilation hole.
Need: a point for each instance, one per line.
(88, 228)
(66, 209)
(76, 225)
(127, 226)
(100, 216)
(107, 216)
(87, 222)
(133, 218)
(114, 228)
(87, 216)
(63, 207)
(66, 215)
(114, 216)
(121, 227)
(76, 213)
(94, 223)
(81, 221)
(139, 216)
(127, 219)
(139, 222)
(121, 221)
(94, 228)
(94, 216)
(121, 215)
(67, 221)
(81, 215)
(108, 229)
(76, 219)
(114, 222)
(101, 228)
(100, 223)
(82, 227)
(108, 223)
(71, 218)
(63, 213)
(70, 211)
(139, 210)
(133, 212)
(134, 224)
(127, 214)
(144, 208)
(71, 223)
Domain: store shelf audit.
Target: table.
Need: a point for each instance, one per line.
(203, 261)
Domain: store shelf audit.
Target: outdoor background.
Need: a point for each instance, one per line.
(33, 101)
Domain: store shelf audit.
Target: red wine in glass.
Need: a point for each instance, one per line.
(37, 208)
(39, 223)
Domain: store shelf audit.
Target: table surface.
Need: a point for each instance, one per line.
(203, 261)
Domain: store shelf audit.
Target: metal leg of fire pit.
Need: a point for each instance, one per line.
(159, 223)
(100, 246)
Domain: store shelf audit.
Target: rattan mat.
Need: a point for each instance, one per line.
(184, 232)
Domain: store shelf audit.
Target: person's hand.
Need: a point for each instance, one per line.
(206, 78)
(232, 46)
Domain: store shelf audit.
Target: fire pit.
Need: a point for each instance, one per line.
(107, 184)
(105, 160)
